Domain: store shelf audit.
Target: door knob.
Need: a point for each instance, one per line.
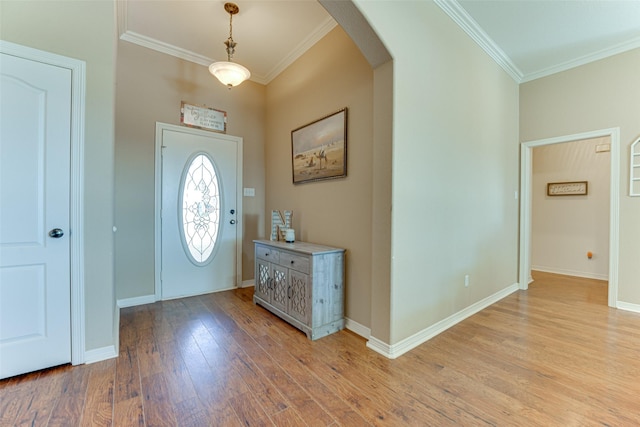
(56, 233)
(233, 221)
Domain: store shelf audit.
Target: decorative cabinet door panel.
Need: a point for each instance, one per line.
(263, 278)
(280, 282)
(299, 301)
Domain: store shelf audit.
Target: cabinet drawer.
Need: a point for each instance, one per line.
(267, 254)
(294, 262)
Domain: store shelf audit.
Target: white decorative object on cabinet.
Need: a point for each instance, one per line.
(302, 283)
(634, 170)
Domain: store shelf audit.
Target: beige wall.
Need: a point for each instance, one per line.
(455, 167)
(150, 88)
(600, 95)
(381, 203)
(85, 31)
(331, 75)
(565, 228)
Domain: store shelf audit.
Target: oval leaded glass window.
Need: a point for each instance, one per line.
(199, 208)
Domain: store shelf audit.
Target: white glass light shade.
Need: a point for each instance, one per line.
(229, 73)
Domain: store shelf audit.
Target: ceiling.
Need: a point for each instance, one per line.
(528, 38)
(270, 34)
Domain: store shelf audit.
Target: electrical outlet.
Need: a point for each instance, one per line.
(466, 280)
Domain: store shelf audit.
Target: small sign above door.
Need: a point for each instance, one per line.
(576, 188)
(202, 117)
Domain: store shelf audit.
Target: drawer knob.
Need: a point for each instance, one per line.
(291, 261)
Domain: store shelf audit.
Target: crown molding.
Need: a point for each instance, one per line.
(322, 30)
(157, 45)
(178, 52)
(592, 57)
(456, 12)
(122, 7)
(460, 16)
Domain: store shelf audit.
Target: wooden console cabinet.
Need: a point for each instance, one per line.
(302, 283)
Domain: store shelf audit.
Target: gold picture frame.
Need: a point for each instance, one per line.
(573, 188)
(319, 149)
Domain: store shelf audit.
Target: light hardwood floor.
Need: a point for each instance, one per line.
(555, 355)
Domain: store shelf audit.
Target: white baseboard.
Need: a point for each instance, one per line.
(150, 299)
(400, 348)
(381, 347)
(627, 306)
(100, 354)
(132, 302)
(357, 328)
(584, 274)
(247, 283)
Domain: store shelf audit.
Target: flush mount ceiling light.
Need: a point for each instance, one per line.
(229, 73)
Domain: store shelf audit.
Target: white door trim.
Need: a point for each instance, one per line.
(614, 205)
(158, 201)
(76, 208)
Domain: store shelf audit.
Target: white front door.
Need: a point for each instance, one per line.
(200, 211)
(35, 284)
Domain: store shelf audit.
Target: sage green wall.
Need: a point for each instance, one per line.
(83, 30)
(455, 167)
(151, 86)
(599, 95)
(332, 75)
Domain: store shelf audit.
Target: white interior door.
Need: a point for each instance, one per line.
(35, 286)
(200, 212)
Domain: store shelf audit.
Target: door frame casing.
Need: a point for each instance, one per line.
(526, 170)
(160, 127)
(76, 186)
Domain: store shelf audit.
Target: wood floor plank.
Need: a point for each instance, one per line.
(191, 413)
(179, 382)
(149, 359)
(267, 395)
(249, 410)
(288, 418)
(70, 405)
(38, 403)
(222, 414)
(341, 412)
(294, 393)
(554, 355)
(99, 403)
(127, 376)
(129, 413)
(157, 404)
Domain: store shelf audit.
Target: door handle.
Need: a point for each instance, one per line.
(56, 233)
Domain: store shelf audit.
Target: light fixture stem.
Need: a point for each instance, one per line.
(229, 73)
(231, 45)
